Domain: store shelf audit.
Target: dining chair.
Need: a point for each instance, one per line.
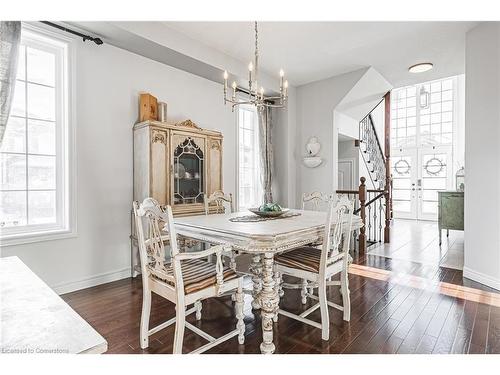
(216, 203)
(186, 280)
(317, 200)
(319, 265)
(218, 199)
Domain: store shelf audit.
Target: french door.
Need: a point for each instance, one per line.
(418, 174)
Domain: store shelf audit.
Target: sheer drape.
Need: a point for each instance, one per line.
(10, 36)
(266, 152)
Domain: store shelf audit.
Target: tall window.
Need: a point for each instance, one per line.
(34, 196)
(422, 115)
(249, 170)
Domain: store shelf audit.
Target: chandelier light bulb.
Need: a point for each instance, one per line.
(262, 91)
(234, 85)
(286, 84)
(282, 73)
(250, 67)
(225, 74)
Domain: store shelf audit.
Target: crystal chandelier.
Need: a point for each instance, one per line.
(255, 95)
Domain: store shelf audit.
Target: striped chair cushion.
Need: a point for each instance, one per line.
(304, 258)
(198, 274)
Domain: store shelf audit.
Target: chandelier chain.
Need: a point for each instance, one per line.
(256, 53)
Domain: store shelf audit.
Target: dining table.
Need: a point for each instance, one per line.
(263, 239)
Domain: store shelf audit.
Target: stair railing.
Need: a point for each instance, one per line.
(372, 153)
(369, 204)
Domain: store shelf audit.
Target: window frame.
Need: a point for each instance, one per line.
(256, 146)
(418, 124)
(42, 38)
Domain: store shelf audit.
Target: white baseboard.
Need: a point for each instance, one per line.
(88, 282)
(482, 278)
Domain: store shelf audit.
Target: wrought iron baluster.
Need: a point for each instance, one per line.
(381, 216)
(375, 221)
(369, 218)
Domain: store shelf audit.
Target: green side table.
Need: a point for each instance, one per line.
(451, 211)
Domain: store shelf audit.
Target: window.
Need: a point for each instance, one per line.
(249, 171)
(423, 115)
(34, 155)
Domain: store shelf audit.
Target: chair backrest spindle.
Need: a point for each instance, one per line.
(337, 231)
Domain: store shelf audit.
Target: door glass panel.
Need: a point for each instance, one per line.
(401, 172)
(434, 173)
(188, 173)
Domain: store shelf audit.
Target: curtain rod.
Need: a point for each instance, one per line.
(97, 41)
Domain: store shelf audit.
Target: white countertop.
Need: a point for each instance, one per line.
(34, 319)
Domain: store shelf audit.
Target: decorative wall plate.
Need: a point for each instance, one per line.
(312, 162)
(313, 147)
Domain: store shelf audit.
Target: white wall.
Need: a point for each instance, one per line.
(283, 139)
(482, 155)
(346, 125)
(315, 117)
(108, 83)
(327, 108)
(459, 139)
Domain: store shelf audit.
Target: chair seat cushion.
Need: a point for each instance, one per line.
(304, 258)
(198, 274)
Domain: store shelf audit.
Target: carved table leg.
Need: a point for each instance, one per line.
(256, 269)
(269, 302)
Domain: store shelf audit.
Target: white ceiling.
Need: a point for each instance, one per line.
(311, 51)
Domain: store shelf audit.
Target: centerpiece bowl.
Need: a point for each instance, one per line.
(269, 210)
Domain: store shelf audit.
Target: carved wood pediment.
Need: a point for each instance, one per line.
(188, 124)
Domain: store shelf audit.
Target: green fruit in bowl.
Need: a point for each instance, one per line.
(268, 207)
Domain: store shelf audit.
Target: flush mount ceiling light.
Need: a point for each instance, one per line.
(421, 67)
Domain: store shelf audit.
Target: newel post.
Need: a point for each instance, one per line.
(362, 214)
(388, 183)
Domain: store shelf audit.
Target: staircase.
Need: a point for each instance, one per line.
(373, 202)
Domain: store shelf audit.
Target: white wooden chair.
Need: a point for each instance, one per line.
(216, 202)
(185, 280)
(318, 201)
(319, 265)
(218, 199)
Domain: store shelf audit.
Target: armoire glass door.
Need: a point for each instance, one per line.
(188, 173)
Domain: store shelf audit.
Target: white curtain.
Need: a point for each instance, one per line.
(10, 37)
(266, 152)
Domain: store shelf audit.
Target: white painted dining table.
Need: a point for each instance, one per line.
(34, 319)
(262, 239)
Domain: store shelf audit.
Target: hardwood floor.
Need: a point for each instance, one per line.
(418, 241)
(397, 307)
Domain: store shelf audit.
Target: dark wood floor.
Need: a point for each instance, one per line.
(391, 315)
